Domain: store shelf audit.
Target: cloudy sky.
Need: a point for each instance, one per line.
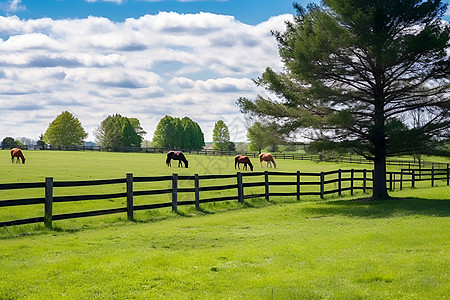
(139, 58)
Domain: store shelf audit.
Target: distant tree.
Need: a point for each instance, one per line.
(26, 141)
(263, 136)
(9, 142)
(129, 136)
(178, 133)
(164, 135)
(352, 72)
(119, 131)
(41, 142)
(198, 136)
(19, 143)
(256, 135)
(230, 146)
(137, 127)
(221, 136)
(192, 137)
(65, 130)
(109, 134)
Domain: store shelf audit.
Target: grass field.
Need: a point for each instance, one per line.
(72, 166)
(283, 249)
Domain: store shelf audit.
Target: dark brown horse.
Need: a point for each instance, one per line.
(267, 157)
(177, 155)
(242, 159)
(16, 152)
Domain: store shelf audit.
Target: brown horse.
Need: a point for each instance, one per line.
(16, 152)
(176, 155)
(242, 159)
(269, 158)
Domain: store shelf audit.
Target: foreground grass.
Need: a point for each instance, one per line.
(335, 249)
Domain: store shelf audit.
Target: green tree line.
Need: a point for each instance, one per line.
(178, 133)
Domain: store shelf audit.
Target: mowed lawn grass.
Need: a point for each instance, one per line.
(282, 249)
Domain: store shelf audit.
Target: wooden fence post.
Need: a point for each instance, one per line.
(364, 180)
(48, 208)
(130, 196)
(401, 179)
(197, 191)
(298, 185)
(340, 182)
(322, 185)
(413, 178)
(390, 182)
(174, 192)
(240, 188)
(352, 176)
(432, 175)
(266, 184)
(448, 174)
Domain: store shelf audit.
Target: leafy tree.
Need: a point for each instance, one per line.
(178, 133)
(192, 137)
(230, 146)
(256, 136)
(65, 130)
(119, 131)
(264, 136)
(41, 142)
(164, 135)
(136, 124)
(221, 136)
(108, 134)
(9, 142)
(353, 72)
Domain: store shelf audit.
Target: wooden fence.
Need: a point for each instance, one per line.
(323, 183)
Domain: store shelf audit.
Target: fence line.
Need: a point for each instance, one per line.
(416, 163)
(352, 179)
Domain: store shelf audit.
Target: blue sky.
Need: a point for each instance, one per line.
(140, 58)
(247, 11)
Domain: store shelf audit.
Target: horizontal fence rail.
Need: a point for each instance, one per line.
(319, 184)
(411, 164)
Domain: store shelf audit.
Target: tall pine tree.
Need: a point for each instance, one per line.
(355, 71)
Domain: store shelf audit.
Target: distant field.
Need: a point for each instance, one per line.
(85, 165)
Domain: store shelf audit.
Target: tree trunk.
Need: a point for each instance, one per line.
(379, 143)
(379, 178)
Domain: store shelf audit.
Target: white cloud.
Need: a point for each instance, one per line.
(13, 6)
(194, 65)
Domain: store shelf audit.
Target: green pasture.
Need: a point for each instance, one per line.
(86, 165)
(283, 249)
(332, 249)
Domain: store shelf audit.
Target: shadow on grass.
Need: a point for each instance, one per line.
(384, 208)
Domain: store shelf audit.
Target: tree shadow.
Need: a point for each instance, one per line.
(384, 208)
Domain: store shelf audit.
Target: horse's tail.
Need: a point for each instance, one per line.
(169, 157)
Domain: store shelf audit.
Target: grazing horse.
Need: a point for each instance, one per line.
(269, 158)
(176, 155)
(16, 152)
(242, 159)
